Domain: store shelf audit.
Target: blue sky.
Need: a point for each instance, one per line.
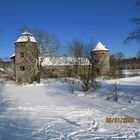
(107, 21)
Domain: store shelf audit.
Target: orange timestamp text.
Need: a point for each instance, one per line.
(122, 120)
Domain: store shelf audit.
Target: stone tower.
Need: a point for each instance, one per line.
(100, 59)
(26, 58)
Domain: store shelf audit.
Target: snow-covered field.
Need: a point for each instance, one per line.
(49, 111)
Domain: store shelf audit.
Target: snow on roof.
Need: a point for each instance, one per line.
(26, 33)
(13, 55)
(100, 47)
(1, 69)
(26, 36)
(63, 61)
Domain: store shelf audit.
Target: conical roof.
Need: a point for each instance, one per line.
(100, 47)
(26, 37)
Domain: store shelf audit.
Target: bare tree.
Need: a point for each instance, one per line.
(48, 44)
(7, 70)
(119, 55)
(138, 54)
(82, 68)
(76, 49)
(135, 35)
(10, 73)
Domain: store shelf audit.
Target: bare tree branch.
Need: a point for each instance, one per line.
(48, 44)
(135, 35)
(82, 68)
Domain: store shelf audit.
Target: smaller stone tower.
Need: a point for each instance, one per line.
(26, 58)
(100, 59)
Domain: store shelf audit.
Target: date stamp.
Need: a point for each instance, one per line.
(122, 120)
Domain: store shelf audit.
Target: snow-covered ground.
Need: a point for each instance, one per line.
(131, 72)
(49, 111)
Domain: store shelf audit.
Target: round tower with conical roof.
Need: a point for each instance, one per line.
(100, 59)
(26, 58)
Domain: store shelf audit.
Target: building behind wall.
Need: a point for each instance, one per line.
(62, 66)
(26, 58)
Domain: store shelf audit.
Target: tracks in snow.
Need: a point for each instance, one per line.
(52, 122)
